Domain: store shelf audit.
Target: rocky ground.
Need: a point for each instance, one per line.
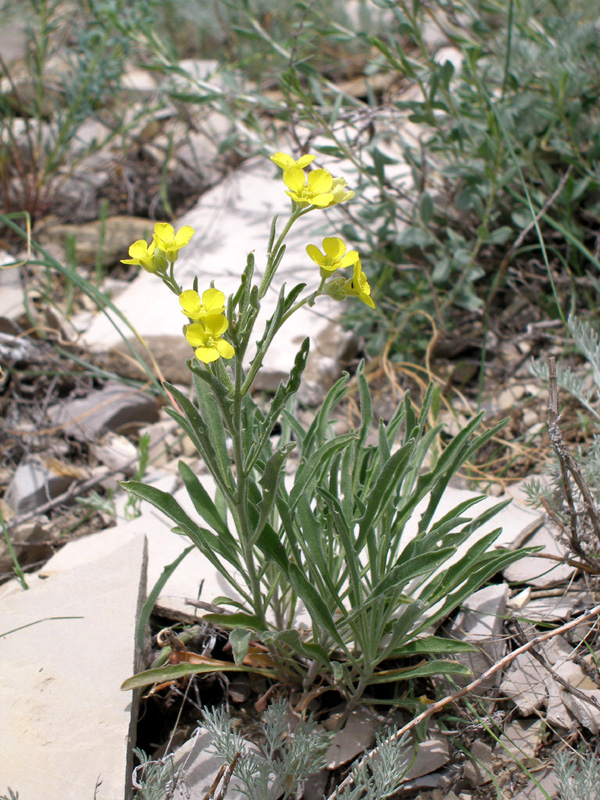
(76, 405)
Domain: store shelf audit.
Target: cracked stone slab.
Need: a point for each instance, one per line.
(525, 682)
(197, 767)
(114, 407)
(66, 645)
(541, 572)
(480, 623)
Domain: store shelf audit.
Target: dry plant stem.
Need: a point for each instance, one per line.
(225, 772)
(526, 230)
(568, 465)
(435, 707)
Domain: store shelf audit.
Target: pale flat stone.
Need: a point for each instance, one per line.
(35, 483)
(67, 728)
(550, 787)
(355, 737)
(431, 755)
(541, 572)
(111, 408)
(479, 770)
(585, 712)
(480, 623)
(198, 768)
(522, 738)
(231, 220)
(525, 682)
(554, 609)
(11, 288)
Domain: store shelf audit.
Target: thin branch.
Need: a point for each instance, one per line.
(568, 465)
(587, 698)
(527, 229)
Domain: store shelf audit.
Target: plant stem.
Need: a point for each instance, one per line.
(16, 566)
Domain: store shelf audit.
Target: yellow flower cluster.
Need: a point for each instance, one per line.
(334, 256)
(319, 188)
(162, 250)
(208, 326)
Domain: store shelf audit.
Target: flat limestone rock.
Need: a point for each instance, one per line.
(108, 240)
(480, 623)
(549, 783)
(231, 220)
(34, 483)
(111, 408)
(526, 681)
(541, 572)
(67, 728)
(198, 768)
(522, 739)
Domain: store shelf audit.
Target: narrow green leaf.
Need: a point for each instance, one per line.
(239, 639)
(307, 473)
(173, 672)
(154, 593)
(202, 501)
(316, 606)
(429, 670)
(212, 546)
(274, 468)
(236, 620)
(283, 394)
(211, 411)
(432, 644)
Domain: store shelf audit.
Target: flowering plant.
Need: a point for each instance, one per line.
(333, 544)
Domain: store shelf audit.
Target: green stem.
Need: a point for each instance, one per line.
(240, 504)
(16, 566)
(272, 254)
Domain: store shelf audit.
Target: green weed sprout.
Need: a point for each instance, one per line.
(332, 543)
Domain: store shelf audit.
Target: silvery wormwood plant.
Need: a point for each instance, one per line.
(333, 542)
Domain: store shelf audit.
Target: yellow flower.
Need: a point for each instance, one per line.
(143, 255)
(340, 193)
(313, 189)
(213, 302)
(358, 286)
(286, 162)
(205, 337)
(169, 242)
(334, 257)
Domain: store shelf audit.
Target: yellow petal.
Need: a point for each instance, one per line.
(319, 181)
(322, 200)
(294, 179)
(304, 161)
(334, 247)
(314, 253)
(140, 249)
(206, 354)
(283, 160)
(190, 303)
(195, 334)
(213, 301)
(367, 300)
(225, 349)
(183, 236)
(349, 259)
(216, 324)
(164, 231)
